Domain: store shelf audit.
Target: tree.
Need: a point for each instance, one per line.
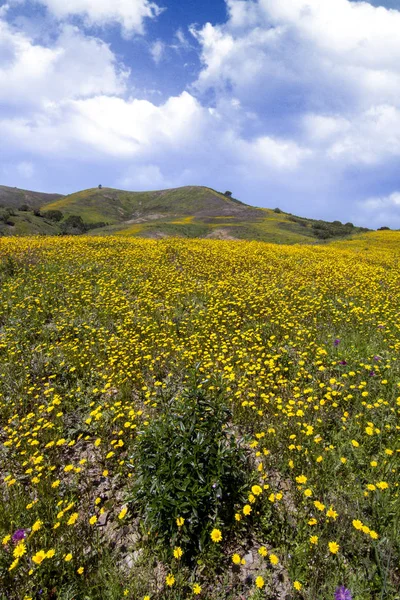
(73, 225)
(100, 187)
(53, 215)
(228, 193)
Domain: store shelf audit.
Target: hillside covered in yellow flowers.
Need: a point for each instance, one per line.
(199, 419)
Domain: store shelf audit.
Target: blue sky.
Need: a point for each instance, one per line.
(289, 103)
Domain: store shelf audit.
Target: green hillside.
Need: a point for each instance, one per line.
(115, 206)
(15, 198)
(189, 212)
(18, 222)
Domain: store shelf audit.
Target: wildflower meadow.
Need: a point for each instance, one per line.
(199, 419)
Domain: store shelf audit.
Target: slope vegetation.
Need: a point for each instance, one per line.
(15, 197)
(189, 212)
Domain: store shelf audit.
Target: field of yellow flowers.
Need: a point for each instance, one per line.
(199, 419)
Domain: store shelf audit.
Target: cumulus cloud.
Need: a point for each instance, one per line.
(181, 127)
(74, 66)
(296, 104)
(304, 50)
(383, 211)
(130, 14)
(322, 75)
(143, 177)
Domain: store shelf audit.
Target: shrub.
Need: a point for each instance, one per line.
(24, 207)
(277, 210)
(53, 215)
(73, 225)
(5, 215)
(188, 464)
(96, 225)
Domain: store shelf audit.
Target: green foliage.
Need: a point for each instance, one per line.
(5, 215)
(53, 215)
(188, 464)
(73, 225)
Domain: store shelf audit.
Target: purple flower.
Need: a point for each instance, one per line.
(343, 362)
(377, 358)
(342, 593)
(336, 342)
(18, 535)
(372, 373)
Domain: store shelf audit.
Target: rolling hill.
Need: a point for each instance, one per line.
(15, 197)
(190, 211)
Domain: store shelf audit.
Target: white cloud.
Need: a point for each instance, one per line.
(74, 66)
(290, 97)
(157, 51)
(130, 14)
(3, 10)
(331, 54)
(368, 138)
(108, 125)
(182, 41)
(138, 129)
(143, 177)
(381, 211)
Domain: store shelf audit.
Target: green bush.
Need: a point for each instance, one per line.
(73, 225)
(189, 464)
(53, 215)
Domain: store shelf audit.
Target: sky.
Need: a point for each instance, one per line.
(287, 103)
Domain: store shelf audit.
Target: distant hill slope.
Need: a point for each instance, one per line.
(116, 206)
(25, 223)
(190, 211)
(15, 197)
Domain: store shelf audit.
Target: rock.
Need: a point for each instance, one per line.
(103, 519)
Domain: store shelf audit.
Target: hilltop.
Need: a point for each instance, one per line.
(15, 198)
(189, 211)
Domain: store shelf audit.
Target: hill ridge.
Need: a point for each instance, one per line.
(186, 211)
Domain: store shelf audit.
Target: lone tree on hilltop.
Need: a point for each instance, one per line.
(228, 193)
(100, 187)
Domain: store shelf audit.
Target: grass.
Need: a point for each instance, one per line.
(115, 206)
(15, 197)
(26, 223)
(287, 357)
(191, 211)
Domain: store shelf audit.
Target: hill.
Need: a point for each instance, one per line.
(15, 197)
(190, 212)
